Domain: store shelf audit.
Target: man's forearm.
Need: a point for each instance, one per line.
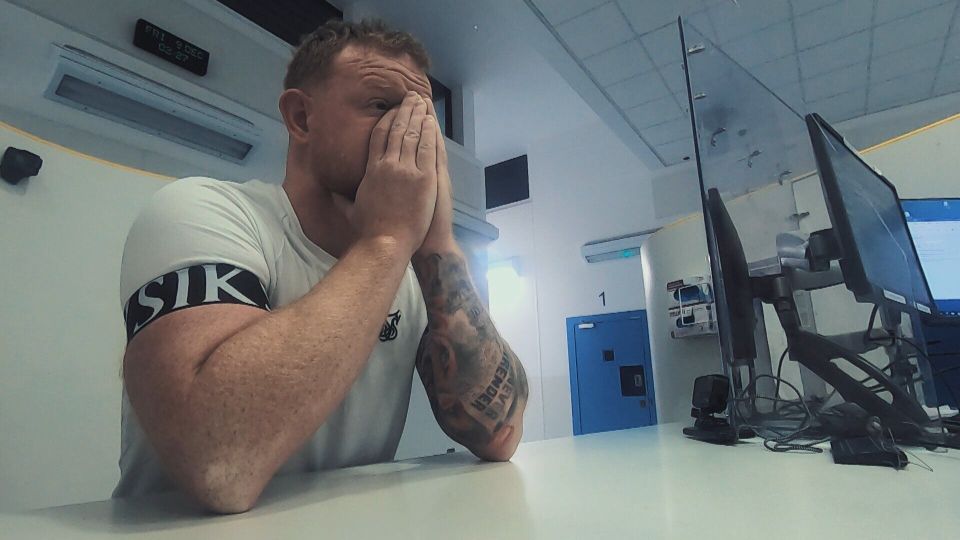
(263, 391)
(476, 384)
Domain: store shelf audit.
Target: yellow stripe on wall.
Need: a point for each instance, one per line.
(910, 133)
(62, 148)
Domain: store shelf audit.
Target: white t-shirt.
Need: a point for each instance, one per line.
(252, 226)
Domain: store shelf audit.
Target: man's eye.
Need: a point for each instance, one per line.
(381, 105)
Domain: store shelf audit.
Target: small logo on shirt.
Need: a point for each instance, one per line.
(389, 330)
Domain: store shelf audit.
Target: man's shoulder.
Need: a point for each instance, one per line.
(201, 195)
(196, 188)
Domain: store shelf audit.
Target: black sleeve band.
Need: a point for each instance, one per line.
(193, 286)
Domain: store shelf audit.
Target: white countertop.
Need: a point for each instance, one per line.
(639, 483)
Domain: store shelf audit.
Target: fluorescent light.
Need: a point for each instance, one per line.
(86, 96)
(93, 85)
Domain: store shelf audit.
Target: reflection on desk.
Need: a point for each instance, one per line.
(640, 483)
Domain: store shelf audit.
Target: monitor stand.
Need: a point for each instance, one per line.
(904, 417)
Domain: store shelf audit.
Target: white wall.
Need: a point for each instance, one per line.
(62, 331)
(924, 164)
(584, 185)
(513, 303)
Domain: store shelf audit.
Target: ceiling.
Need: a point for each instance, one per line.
(841, 58)
(539, 68)
(483, 47)
(289, 20)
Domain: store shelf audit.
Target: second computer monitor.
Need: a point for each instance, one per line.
(879, 261)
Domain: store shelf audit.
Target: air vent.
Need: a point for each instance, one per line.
(91, 84)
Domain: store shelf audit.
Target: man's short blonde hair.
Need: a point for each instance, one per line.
(312, 59)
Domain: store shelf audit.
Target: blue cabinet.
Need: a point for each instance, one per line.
(611, 377)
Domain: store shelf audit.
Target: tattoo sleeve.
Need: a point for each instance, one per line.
(476, 384)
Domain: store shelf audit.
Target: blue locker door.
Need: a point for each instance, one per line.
(613, 373)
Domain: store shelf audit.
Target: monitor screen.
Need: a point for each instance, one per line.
(935, 227)
(880, 262)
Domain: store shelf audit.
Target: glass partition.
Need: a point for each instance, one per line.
(796, 342)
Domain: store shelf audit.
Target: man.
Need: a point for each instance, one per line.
(275, 329)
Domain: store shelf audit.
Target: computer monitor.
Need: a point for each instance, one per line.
(736, 317)
(935, 227)
(878, 258)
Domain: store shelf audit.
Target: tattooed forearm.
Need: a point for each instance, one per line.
(475, 383)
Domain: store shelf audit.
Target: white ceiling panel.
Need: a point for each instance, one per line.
(845, 57)
(924, 26)
(948, 80)
(952, 51)
(778, 72)
(776, 40)
(558, 11)
(663, 45)
(805, 6)
(835, 82)
(674, 130)
(899, 91)
(792, 95)
(833, 22)
(919, 58)
(888, 10)
(655, 112)
(735, 19)
(835, 55)
(637, 90)
(619, 63)
(676, 151)
(676, 79)
(595, 31)
(648, 16)
(841, 107)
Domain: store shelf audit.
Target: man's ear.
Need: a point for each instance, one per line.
(295, 107)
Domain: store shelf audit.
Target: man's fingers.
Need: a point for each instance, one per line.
(399, 127)
(441, 144)
(427, 146)
(412, 138)
(378, 139)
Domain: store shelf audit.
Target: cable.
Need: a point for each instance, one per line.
(924, 463)
(873, 319)
(783, 356)
(779, 442)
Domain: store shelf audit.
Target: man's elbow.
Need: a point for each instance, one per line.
(503, 446)
(223, 489)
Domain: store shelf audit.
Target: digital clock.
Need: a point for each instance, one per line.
(171, 47)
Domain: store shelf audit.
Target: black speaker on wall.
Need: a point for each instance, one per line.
(18, 164)
(507, 182)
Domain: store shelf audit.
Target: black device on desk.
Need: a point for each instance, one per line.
(710, 394)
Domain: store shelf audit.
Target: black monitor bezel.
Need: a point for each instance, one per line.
(854, 273)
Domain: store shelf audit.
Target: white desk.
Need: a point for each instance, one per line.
(641, 483)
